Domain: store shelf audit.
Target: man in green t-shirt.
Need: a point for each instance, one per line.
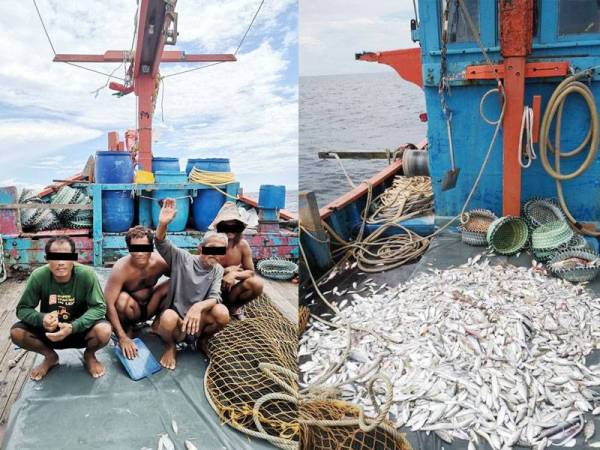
(71, 313)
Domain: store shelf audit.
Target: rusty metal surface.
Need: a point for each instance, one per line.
(516, 27)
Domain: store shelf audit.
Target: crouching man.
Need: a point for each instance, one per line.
(71, 311)
(195, 310)
(240, 283)
(132, 293)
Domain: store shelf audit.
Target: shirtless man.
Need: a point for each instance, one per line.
(240, 283)
(132, 293)
(195, 311)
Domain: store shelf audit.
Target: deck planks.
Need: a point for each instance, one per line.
(11, 379)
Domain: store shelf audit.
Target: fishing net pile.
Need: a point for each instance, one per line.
(486, 353)
(43, 219)
(252, 383)
(243, 371)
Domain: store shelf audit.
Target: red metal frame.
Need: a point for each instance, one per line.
(516, 35)
(532, 70)
(406, 62)
(153, 16)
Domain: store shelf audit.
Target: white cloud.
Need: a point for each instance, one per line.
(332, 31)
(246, 109)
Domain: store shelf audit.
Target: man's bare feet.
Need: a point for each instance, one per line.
(94, 367)
(169, 357)
(40, 371)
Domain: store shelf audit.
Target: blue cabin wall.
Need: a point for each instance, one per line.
(471, 135)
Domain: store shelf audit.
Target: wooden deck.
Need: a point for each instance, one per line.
(283, 294)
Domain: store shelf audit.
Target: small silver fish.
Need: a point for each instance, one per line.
(190, 446)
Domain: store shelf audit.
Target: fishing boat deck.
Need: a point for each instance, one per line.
(283, 294)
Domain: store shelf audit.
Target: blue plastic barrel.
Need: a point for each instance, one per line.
(113, 167)
(208, 164)
(165, 163)
(182, 202)
(208, 202)
(271, 196)
(206, 206)
(117, 206)
(117, 211)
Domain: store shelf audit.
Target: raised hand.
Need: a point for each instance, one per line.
(168, 211)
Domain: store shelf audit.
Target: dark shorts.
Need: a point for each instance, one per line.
(74, 340)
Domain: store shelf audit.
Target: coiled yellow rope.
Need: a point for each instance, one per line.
(213, 179)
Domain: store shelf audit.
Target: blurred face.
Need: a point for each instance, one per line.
(140, 259)
(233, 229)
(211, 260)
(61, 269)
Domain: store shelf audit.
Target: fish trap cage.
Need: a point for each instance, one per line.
(575, 265)
(508, 235)
(474, 226)
(539, 211)
(277, 268)
(550, 238)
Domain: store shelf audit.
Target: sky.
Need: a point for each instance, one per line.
(332, 31)
(51, 120)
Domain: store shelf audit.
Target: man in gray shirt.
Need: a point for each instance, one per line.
(194, 306)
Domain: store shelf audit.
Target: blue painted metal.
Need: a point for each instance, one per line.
(165, 163)
(181, 196)
(208, 164)
(96, 191)
(472, 135)
(271, 196)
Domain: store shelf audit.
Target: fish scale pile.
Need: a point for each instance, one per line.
(480, 352)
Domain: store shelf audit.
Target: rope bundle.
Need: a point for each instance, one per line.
(210, 178)
(405, 196)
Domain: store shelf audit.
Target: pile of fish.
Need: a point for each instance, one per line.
(481, 352)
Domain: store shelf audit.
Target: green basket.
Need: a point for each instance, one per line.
(508, 235)
(277, 269)
(551, 235)
(574, 274)
(539, 211)
(578, 242)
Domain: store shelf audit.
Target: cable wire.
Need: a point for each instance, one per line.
(235, 53)
(67, 62)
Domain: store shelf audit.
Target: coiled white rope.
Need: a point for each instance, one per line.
(527, 129)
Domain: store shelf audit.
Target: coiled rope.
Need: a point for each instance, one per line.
(213, 179)
(554, 110)
(527, 129)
